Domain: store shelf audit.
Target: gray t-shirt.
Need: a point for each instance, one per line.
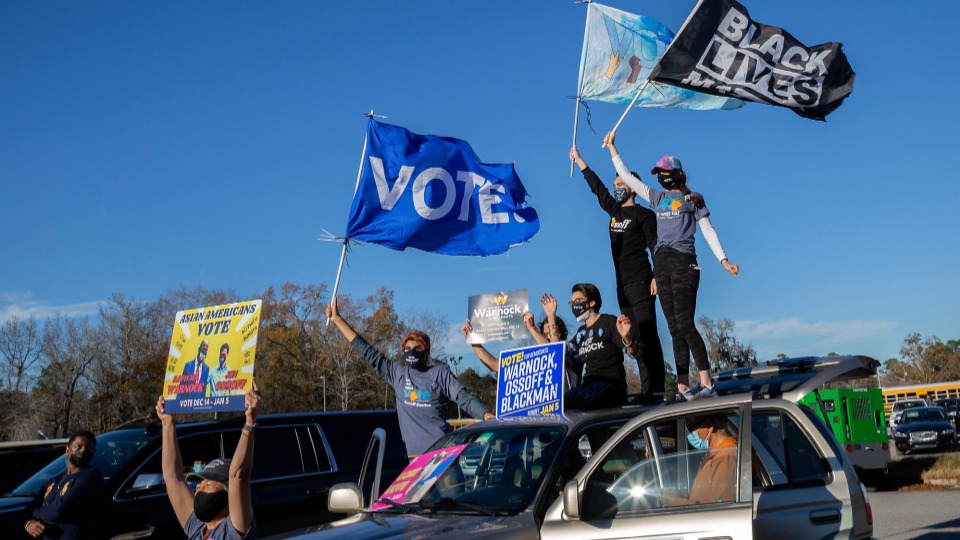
(423, 397)
(194, 529)
(676, 220)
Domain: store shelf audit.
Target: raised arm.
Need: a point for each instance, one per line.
(241, 507)
(528, 322)
(607, 202)
(181, 498)
(623, 172)
(342, 325)
(482, 353)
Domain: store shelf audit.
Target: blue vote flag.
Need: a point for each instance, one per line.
(434, 194)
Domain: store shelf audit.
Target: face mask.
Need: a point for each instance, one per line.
(620, 194)
(580, 311)
(197, 467)
(413, 357)
(696, 442)
(668, 182)
(208, 506)
(81, 459)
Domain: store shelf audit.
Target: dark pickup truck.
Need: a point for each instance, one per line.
(298, 457)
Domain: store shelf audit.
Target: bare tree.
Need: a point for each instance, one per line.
(723, 348)
(20, 348)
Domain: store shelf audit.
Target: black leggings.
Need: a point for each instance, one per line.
(640, 307)
(678, 279)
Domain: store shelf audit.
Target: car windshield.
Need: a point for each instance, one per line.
(114, 450)
(922, 415)
(904, 405)
(498, 472)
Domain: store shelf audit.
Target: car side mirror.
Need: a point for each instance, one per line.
(147, 482)
(571, 501)
(345, 498)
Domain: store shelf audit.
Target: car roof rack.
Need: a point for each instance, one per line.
(793, 378)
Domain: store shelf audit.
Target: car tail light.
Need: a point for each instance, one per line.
(849, 448)
(866, 503)
(885, 446)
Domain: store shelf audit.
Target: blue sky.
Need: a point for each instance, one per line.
(148, 146)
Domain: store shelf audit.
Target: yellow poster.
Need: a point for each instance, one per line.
(210, 364)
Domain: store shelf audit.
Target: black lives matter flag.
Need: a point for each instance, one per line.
(720, 51)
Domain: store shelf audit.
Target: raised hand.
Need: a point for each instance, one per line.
(162, 411)
(331, 310)
(251, 400)
(528, 320)
(549, 304)
(467, 328)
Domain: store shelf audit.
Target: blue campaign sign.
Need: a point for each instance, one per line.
(531, 381)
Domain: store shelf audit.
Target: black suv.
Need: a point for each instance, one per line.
(298, 457)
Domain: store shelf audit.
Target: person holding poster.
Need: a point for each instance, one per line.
(551, 329)
(633, 231)
(423, 391)
(599, 343)
(679, 210)
(221, 507)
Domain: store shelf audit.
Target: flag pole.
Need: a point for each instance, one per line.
(346, 241)
(626, 112)
(583, 54)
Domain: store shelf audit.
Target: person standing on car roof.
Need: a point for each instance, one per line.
(220, 509)
(633, 231)
(678, 212)
(66, 507)
(423, 391)
(599, 343)
(551, 329)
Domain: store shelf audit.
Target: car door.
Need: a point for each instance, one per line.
(802, 487)
(648, 481)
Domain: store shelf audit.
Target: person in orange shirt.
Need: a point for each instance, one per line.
(715, 479)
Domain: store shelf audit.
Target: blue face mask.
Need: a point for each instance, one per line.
(197, 467)
(696, 442)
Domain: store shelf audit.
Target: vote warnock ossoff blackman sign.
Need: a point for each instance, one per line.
(721, 51)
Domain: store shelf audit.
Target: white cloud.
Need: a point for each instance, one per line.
(795, 337)
(23, 305)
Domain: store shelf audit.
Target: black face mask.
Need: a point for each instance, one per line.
(208, 506)
(413, 357)
(620, 194)
(667, 181)
(580, 311)
(81, 459)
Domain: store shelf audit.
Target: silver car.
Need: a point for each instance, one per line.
(776, 472)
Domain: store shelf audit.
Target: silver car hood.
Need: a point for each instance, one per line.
(384, 526)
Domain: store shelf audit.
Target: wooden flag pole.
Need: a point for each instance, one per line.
(346, 241)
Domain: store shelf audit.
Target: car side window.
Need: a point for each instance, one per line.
(660, 466)
(281, 452)
(789, 456)
(195, 451)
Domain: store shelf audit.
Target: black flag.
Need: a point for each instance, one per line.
(721, 51)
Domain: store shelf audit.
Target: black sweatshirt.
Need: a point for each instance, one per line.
(633, 230)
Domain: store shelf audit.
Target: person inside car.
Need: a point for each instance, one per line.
(714, 481)
(423, 391)
(220, 509)
(66, 507)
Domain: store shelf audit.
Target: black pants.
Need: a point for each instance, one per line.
(596, 393)
(640, 307)
(678, 279)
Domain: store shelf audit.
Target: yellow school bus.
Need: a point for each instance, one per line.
(929, 392)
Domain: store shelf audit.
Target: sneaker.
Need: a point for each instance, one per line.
(705, 392)
(690, 394)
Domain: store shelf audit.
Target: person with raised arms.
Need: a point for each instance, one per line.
(220, 508)
(679, 211)
(423, 391)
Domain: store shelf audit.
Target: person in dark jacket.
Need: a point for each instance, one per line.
(633, 232)
(66, 508)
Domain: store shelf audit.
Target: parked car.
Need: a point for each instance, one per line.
(901, 405)
(949, 405)
(528, 477)
(925, 428)
(298, 458)
(22, 459)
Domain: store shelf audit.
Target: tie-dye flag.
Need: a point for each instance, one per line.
(620, 50)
